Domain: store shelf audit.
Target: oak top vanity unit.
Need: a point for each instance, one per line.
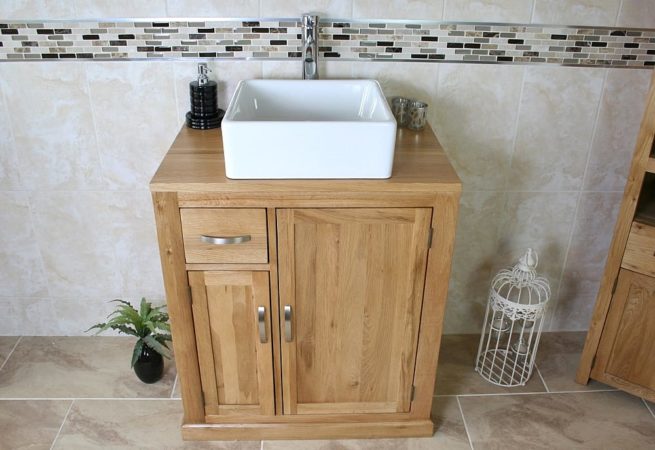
(306, 308)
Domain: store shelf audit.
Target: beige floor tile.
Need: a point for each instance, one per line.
(7, 344)
(131, 424)
(177, 390)
(651, 407)
(77, 367)
(589, 420)
(558, 357)
(30, 424)
(450, 435)
(456, 373)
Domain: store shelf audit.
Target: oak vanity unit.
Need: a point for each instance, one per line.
(305, 308)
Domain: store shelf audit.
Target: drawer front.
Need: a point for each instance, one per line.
(224, 235)
(640, 251)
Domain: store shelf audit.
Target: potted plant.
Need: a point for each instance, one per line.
(150, 325)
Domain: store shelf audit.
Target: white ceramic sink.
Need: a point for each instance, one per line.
(308, 129)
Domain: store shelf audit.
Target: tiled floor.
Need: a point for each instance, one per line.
(79, 393)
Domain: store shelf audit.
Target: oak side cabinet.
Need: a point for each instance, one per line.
(305, 309)
(620, 345)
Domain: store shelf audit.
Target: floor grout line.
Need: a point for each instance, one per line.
(174, 385)
(652, 413)
(11, 352)
(500, 394)
(541, 377)
(466, 428)
(61, 427)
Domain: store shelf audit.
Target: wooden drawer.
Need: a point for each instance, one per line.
(200, 226)
(640, 251)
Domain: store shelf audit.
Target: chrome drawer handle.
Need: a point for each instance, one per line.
(224, 240)
(261, 323)
(288, 335)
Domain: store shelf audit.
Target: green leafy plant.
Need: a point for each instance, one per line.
(149, 324)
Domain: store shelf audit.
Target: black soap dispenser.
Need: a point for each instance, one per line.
(205, 113)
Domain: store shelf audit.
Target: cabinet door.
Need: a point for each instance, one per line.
(626, 355)
(231, 314)
(351, 290)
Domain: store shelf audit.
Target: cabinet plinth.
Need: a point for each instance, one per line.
(305, 309)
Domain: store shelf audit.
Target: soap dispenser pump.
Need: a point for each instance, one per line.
(203, 93)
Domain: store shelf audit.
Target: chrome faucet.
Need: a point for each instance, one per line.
(309, 47)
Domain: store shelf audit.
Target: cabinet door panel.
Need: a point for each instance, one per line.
(626, 354)
(354, 279)
(235, 366)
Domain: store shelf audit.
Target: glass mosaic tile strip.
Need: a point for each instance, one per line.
(349, 40)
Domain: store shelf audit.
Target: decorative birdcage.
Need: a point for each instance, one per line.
(513, 323)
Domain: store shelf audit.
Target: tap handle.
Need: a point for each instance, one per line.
(309, 20)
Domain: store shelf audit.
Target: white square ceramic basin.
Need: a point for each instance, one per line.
(308, 129)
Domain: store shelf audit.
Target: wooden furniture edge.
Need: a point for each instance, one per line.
(338, 430)
(176, 284)
(444, 223)
(622, 227)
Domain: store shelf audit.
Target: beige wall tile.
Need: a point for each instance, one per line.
(619, 118)
(576, 12)
(334, 9)
(37, 9)
(282, 70)
(120, 8)
(75, 235)
(136, 250)
(476, 112)
(592, 235)
(74, 316)
(57, 145)
(28, 316)
(292, 70)
(556, 122)
(476, 255)
(514, 11)
(31, 424)
(412, 80)
(137, 98)
(9, 172)
(97, 244)
(637, 14)
(204, 8)
(543, 221)
(22, 272)
(398, 9)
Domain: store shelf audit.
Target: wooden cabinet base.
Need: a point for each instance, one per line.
(338, 430)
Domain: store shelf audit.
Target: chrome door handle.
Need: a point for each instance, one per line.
(261, 323)
(288, 335)
(224, 240)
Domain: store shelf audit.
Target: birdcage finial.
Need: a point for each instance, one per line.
(529, 261)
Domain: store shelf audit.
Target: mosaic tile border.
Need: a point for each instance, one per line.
(347, 40)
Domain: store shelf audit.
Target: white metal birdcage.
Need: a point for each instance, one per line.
(513, 323)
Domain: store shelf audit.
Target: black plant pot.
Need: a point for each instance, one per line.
(150, 365)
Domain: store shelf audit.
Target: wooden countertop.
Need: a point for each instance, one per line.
(195, 163)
